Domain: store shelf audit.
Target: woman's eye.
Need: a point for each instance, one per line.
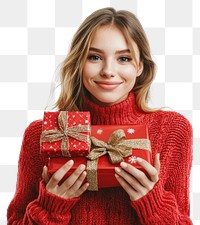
(94, 57)
(124, 59)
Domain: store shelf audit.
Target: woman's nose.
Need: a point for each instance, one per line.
(107, 69)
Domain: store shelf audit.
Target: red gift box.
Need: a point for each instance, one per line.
(65, 134)
(100, 170)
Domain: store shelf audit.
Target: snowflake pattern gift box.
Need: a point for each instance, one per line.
(65, 134)
(110, 145)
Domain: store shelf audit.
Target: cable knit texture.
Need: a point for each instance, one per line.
(168, 203)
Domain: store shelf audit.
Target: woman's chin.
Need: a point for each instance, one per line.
(105, 102)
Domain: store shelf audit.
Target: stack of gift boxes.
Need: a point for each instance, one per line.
(70, 135)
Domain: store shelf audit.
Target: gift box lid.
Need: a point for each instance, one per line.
(103, 132)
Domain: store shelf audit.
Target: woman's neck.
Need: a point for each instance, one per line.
(124, 112)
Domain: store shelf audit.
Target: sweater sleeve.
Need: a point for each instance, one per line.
(168, 202)
(32, 203)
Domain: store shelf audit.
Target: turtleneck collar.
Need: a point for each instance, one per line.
(124, 112)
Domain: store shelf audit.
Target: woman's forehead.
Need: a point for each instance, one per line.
(112, 36)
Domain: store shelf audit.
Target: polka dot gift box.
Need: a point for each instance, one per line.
(110, 145)
(65, 134)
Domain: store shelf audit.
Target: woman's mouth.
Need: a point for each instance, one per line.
(107, 85)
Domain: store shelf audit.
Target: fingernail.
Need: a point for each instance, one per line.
(84, 173)
(70, 162)
(123, 164)
(117, 170)
(44, 168)
(81, 167)
(139, 159)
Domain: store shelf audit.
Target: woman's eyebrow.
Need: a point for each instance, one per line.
(123, 51)
(95, 50)
(117, 52)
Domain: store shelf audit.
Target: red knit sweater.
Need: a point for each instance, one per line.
(168, 202)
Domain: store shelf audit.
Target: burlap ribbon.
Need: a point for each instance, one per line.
(117, 148)
(64, 133)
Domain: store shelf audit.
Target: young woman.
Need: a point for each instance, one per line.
(108, 72)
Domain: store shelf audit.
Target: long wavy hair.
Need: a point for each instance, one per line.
(72, 90)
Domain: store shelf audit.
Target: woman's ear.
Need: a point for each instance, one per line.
(140, 69)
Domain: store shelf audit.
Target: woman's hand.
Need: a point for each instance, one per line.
(72, 187)
(135, 182)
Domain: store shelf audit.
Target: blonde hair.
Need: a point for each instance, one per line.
(72, 90)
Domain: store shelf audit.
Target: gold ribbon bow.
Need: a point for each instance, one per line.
(64, 133)
(117, 148)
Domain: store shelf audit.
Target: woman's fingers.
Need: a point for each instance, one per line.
(128, 179)
(81, 190)
(157, 162)
(137, 183)
(78, 187)
(135, 173)
(45, 176)
(72, 186)
(133, 194)
(59, 174)
(150, 170)
(69, 182)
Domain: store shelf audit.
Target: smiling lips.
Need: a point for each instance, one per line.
(108, 85)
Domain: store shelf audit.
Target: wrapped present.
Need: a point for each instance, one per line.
(65, 134)
(110, 146)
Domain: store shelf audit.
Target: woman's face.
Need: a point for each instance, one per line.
(109, 72)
